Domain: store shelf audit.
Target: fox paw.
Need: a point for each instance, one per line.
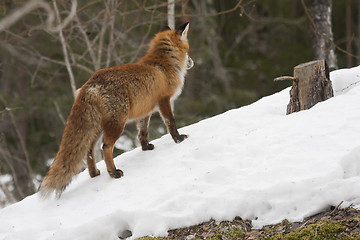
(145, 145)
(181, 138)
(116, 174)
(149, 146)
(94, 173)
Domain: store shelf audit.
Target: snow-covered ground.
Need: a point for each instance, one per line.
(254, 162)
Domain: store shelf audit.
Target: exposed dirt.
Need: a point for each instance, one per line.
(332, 224)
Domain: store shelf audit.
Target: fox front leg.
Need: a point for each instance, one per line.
(169, 120)
(143, 135)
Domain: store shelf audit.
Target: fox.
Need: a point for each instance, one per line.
(116, 95)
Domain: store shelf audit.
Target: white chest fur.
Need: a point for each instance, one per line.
(182, 75)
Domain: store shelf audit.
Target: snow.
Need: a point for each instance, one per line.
(255, 162)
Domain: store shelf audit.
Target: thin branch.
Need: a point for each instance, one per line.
(35, 72)
(111, 44)
(61, 25)
(7, 109)
(66, 56)
(145, 37)
(9, 161)
(236, 7)
(347, 87)
(20, 137)
(336, 208)
(9, 196)
(239, 5)
(20, 54)
(87, 41)
(57, 108)
(19, 13)
(80, 66)
(101, 43)
(285, 78)
(88, 5)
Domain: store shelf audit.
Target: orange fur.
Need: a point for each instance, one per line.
(111, 97)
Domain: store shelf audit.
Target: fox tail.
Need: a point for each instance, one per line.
(81, 130)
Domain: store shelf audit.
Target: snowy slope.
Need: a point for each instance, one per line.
(254, 162)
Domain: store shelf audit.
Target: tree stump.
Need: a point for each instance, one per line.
(311, 84)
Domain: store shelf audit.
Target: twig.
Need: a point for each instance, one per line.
(101, 42)
(15, 16)
(87, 41)
(6, 109)
(238, 5)
(19, 13)
(35, 72)
(9, 196)
(336, 208)
(61, 25)
(144, 38)
(9, 158)
(111, 44)
(57, 108)
(347, 87)
(21, 139)
(285, 78)
(82, 67)
(316, 229)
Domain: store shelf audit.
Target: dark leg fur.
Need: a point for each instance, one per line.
(143, 135)
(112, 131)
(169, 120)
(91, 164)
(91, 159)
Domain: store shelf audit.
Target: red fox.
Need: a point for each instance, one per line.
(111, 97)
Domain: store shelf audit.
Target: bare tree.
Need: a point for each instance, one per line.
(322, 35)
(348, 25)
(171, 14)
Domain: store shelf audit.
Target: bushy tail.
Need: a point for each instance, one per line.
(81, 130)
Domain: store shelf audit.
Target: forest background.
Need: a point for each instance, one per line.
(238, 47)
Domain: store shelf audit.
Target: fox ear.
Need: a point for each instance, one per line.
(183, 30)
(165, 28)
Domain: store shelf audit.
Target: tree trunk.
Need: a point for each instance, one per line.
(171, 14)
(322, 35)
(348, 34)
(212, 39)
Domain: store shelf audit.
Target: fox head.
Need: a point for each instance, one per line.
(174, 45)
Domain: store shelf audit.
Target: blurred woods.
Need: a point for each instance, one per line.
(48, 49)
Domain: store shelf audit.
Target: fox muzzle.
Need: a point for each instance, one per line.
(189, 63)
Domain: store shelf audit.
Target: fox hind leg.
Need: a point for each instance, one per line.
(91, 164)
(92, 157)
(143, 135)
(112, 131)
